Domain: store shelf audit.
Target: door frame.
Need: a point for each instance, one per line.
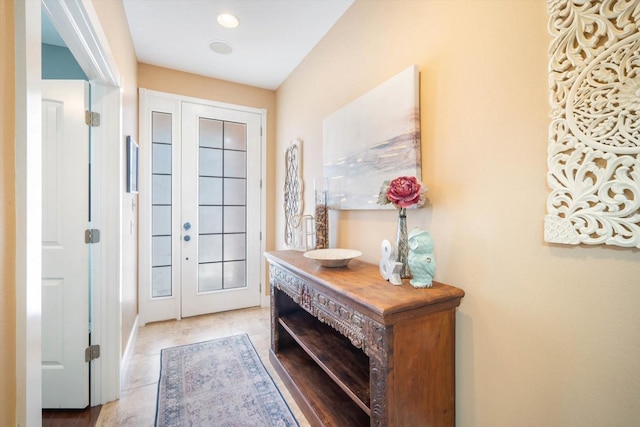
(173, 102)
(80, 27)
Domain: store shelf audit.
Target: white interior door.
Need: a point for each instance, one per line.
(65, 259)
(200, 240)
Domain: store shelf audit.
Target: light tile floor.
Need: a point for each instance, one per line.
(137, 403)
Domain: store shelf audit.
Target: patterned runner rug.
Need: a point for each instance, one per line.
(220, 382)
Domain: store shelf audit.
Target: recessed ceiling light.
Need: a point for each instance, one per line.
(221, 47)
(227, 20)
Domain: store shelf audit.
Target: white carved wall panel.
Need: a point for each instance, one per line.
(594, 136)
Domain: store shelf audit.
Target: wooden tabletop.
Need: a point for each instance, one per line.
(362, 283)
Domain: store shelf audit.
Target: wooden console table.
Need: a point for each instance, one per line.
(355, 350)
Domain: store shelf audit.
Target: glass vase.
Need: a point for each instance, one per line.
(321, 217)
(403, 244)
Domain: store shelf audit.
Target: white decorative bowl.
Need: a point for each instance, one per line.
(332, 257)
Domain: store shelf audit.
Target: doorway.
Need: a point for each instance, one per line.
(80, 23)
(201, 206)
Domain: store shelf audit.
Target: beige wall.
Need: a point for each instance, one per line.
(186, 84)
(7, 217)
(547, 335)
(112, 16)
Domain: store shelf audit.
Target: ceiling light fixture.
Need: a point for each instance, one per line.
(220, 46)
(228, 20)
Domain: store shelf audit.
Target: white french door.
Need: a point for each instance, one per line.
(200, 223)
(221, 202)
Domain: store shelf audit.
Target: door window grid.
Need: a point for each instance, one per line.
(161, 236)
(222, 205)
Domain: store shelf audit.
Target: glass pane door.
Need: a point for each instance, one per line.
(161, 197)
(221, 205)
(220, 241)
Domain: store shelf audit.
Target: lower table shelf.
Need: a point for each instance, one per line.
(350, 371)
(320, 399)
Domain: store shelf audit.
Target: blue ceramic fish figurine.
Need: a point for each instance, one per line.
(421, 260)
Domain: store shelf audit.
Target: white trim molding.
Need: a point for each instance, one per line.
(28, 239)
(128, 351)
(76, 22)
(594, 136)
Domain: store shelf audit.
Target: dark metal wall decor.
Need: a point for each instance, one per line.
(293, 203)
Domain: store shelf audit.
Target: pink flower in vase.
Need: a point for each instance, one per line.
(403, 192)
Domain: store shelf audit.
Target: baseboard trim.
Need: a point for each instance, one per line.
(128, 352)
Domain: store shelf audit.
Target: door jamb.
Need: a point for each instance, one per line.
(28, 200)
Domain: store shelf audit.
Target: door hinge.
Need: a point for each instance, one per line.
(92, 119)
(92, 352)
(92, 235)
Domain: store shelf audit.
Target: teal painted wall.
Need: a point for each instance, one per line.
(59, 63)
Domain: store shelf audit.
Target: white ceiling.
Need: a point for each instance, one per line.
(273, 37)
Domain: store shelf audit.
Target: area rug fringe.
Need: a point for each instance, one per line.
(218, 383)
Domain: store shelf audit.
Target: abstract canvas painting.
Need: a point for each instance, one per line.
(374, 138)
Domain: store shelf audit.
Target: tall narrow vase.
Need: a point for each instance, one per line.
(403, 244)
(322, 220)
